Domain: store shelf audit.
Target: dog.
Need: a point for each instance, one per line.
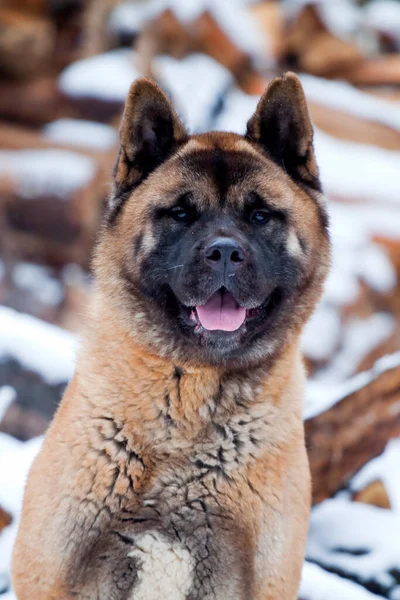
(175, 466)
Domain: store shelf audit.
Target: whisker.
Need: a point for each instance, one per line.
(175, 267)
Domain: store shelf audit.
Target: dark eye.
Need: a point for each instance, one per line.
(183, 214)
(260, 216)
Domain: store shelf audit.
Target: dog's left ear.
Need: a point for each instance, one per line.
(281, 125)
(150, 132)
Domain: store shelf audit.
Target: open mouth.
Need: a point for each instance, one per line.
(222, 312)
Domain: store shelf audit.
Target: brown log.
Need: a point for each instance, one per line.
(167, 35)
(54, 226)
(5, 519)
(26, 44)
(312, 48)
(346, 126)
(269, 18)
(32, 102)
(382, 70)
(356, 428)
(374, 494)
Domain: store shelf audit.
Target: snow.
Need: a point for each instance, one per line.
(321, 396)
(7, 396)
(130, 17)
(106, 76)
(239, 25)
(15, 458)
(363, 222)
(340, 17)
(47, 172)
(343, 96)
(384, 468)
(355, 538)
(367, 173)
(38, 346)
(354, 256)
(37, 280)
(238, 108)
(321, 335)
(384, 15)
(79, 132)
(360, 337)
(317, 584)
(180, 78)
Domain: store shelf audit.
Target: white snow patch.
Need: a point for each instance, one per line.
(9, 596)
(384, 468)
(384, 16)
(16, 459)
(354, 256)
(321, 396)
(77, 132)
(357, 171)
(241, 27)
(317, 584)
(238, 108)
(47, 172)
(106, 76)
(343, 96)
(181, 78)
(130, 17)
(340, 529)
(7, 396)
(39, 346)
(360, 337)
(321, 335)
(360, 222)
(37, 280)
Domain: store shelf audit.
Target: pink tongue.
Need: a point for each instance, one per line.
(221, 312)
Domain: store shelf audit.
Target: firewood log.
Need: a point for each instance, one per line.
(355, 427)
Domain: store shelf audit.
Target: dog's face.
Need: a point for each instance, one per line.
(215, 246)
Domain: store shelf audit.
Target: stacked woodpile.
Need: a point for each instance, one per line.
(65, 68)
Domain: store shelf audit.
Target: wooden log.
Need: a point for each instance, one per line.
(54, 219)
(26, 44)
(382, 70)
(32, 102)
(355, 427)
(310, 47)
(346, 126)
(374, 494)
(166, 34)
(5, 519)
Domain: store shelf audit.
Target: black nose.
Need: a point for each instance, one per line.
(224, 253)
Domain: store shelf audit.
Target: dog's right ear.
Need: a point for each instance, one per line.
(150, 132)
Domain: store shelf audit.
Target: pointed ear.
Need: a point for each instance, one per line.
(150, 132)
(281, 125)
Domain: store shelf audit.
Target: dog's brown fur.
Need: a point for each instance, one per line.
(176, 469)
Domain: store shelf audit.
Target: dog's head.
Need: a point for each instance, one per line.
(215, 246)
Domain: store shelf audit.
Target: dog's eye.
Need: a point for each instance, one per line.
(260, 216)
(183, 214)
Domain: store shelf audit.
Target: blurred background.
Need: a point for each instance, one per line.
(65, 69)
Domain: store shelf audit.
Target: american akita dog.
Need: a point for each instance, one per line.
(175, 467)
